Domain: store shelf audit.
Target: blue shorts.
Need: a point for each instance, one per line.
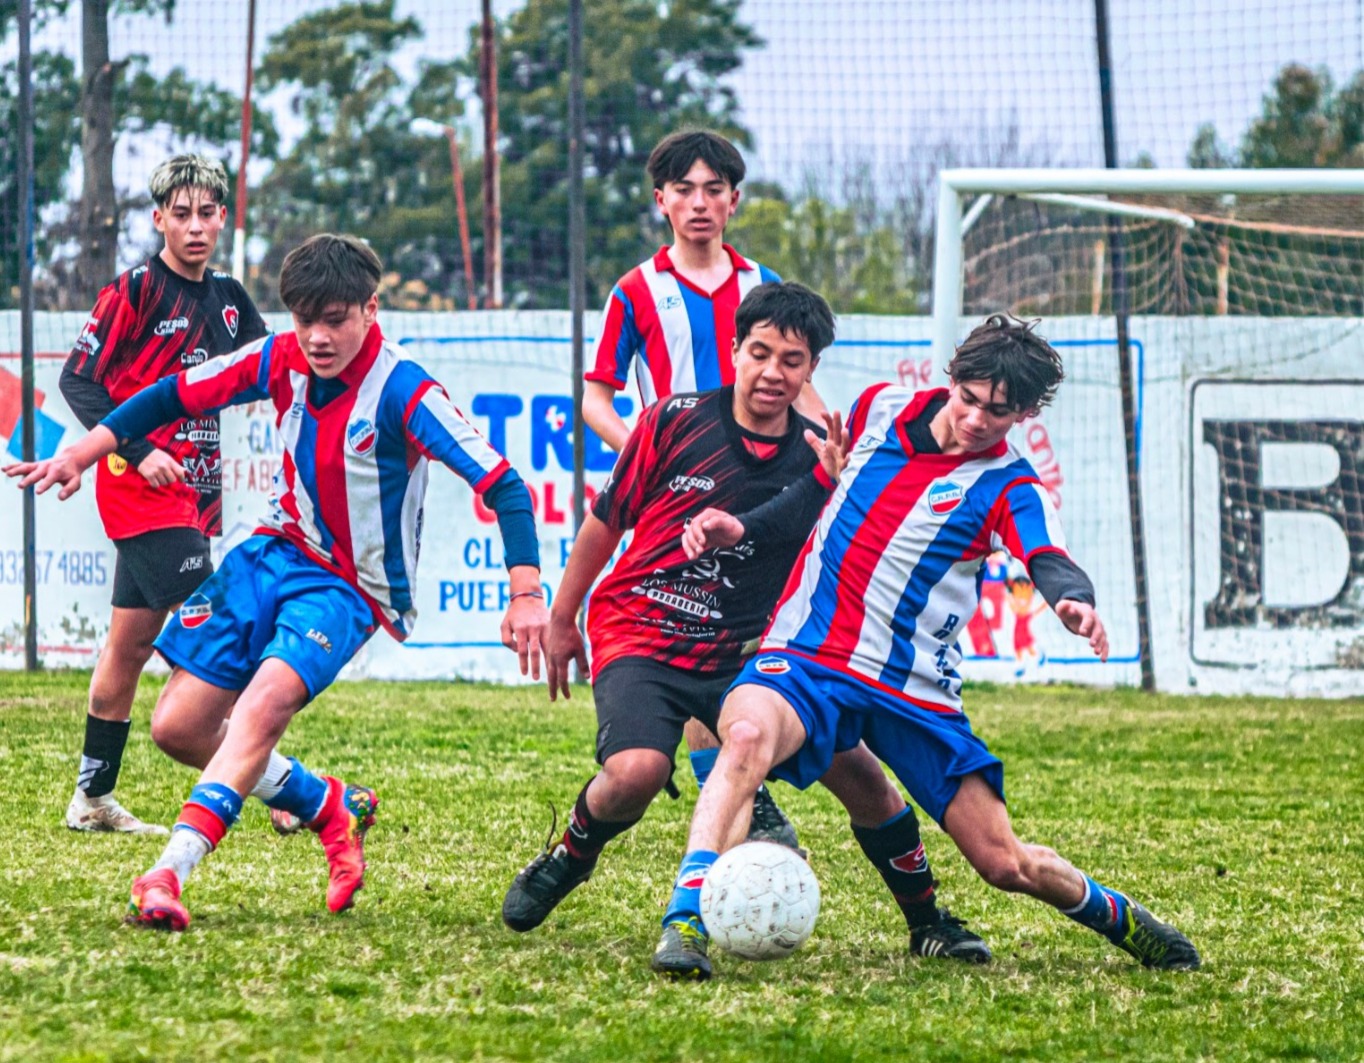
(929, 752)
(268, 599)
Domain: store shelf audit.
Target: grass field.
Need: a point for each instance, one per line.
(1240, 820)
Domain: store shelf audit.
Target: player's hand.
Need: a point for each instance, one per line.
(563, 646)
(160, 469)
(833, 450)
(708, 530)
(523, 630)
(1083, 620)
(40, 475)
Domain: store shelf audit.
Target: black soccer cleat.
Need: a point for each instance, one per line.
(540, 886)
(769, 823)
(681, 952)
(1154, 943)
(948, 939)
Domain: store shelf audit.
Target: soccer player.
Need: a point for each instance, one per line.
(670, 631)
(863, 642)
(159, 495)
(672, 318)
(335, 557)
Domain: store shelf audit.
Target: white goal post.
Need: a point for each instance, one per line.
(1244, 404)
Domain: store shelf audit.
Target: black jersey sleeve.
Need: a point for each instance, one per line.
(91, 402)
(788, 517)
(252, 326)
(1057, 577)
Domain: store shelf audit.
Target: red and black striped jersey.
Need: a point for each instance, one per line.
(687, 454)
(151, 323)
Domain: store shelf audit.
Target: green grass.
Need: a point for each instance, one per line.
(1240, 820)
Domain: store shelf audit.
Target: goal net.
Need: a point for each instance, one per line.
(1246, 338)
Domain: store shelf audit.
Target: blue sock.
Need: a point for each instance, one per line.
(303, 793)
(222, 801)
(1102, 909)
(686, 898)
(702, 761)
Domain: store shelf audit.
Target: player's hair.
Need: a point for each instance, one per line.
(1005, 350)
(188, 171)
(677, 153)
(789, 307)
(326, 269)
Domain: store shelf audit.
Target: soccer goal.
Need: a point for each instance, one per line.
(1207, 449)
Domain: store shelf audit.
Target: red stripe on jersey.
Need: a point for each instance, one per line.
(859, 417)
(333, 501)
(608, 344)
(635, 288)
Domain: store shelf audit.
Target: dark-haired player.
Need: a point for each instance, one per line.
(335, 557)
(670, 631)
(671, 320)
(159, 495)
(864, 641)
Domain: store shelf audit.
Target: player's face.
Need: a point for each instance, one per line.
(770, 368)
(332, 340)
(699, 206)
(979, 415)
(191, 223)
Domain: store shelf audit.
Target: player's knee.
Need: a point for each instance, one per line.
(631, 779)
(1004, 868)
(170, 733)
(749, 748)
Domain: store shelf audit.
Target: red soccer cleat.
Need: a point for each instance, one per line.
(346, 814)
(155, 902)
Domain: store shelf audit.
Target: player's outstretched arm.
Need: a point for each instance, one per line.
(592, 551)
(711, 529)
(833, 450)
(523, 626)
(1082, 619)
(66, 467)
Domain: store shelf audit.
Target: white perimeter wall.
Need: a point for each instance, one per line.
(1279, 608)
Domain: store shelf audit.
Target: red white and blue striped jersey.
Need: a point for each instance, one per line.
(891, 575)
(352, 483)
(679, 337)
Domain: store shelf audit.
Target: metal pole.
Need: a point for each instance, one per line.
(947, 267)
(239, 230)
(1135, 509)
(577, 251)
(26, 326)
(492, 179)
(457, 172)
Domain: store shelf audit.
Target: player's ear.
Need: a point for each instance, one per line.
(814, 364)
(158, 220)
(734, 352)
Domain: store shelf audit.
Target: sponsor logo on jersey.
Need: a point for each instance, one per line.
(360, 436)
(171, 326)
(230, 319)
(683, 484)
(192, 564)
(196, 610)
(772, 665)
(218, 275)
(87, 341)
(117, 465)
(682, 404)
(669, 302)
(296, 409)
(198, 356)
(944, 496)
(321, 639)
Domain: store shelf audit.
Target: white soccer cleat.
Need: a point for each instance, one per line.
(105, 815)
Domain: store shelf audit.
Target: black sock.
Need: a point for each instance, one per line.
(102, 756)
(587, 836)
(897, 853)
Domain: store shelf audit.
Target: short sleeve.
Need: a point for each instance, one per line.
(1026, 522)
(618, 341)
(100, 345)
(632, 480)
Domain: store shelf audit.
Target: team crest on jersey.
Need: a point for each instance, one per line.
(772, 665)
(196, 610)
(944, 496)
(360, 436)
(230, 319)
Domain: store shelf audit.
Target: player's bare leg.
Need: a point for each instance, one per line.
(758, 728)
(768, 822)
(978, 822)
(190, 718)
(610, 804)
(113, 687)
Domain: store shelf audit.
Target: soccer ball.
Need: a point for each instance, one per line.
(759, 901)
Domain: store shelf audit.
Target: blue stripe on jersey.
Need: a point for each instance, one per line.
(704, 356)
(263, 371)
(767, 275)
(391, 458)
(305, 463)
(943, 552)
(628, 343)
(871, 482)
(1028, 517)
(425, 426)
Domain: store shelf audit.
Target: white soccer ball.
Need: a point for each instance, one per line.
(759, 901)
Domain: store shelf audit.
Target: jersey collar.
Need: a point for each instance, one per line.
(663, 261)
(916, 407)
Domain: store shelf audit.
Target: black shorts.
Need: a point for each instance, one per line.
(158, 569)
(644, 704)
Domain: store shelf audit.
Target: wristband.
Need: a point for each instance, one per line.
(526, 594)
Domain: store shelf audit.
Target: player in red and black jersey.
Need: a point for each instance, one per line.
(670, 632)
(169, 313)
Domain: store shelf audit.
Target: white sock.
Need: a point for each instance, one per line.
(183, 853)
(276, 775)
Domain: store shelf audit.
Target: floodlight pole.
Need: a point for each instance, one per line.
(492, 177)
(26, 327)
(239, 230)
(462, 211)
